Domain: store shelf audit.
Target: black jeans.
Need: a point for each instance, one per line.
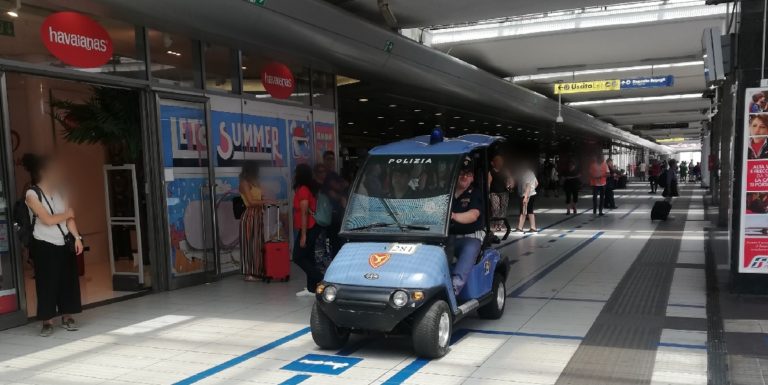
(598, 191)
(56, 280)
(610, 202)
(654, 183)
(304, 257)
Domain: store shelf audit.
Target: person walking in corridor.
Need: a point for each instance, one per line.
(305, 230)
(55, 245)
(571, 186)
(611, 184)
(501, 184)
(671, 179)
(598, 172)
(527, 189)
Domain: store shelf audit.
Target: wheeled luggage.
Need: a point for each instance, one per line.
(660, 211)
(277, 260)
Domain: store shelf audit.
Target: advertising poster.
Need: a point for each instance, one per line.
(247, 131)
(325, 137)
(301, 141)
(185, 160)
(753, 257)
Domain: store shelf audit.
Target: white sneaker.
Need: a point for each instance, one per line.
(305, 293)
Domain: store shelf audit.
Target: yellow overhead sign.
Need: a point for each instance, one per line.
(595, 86)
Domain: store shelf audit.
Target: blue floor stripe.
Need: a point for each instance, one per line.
(684, 305)
(536, 278)
(242, 358)
(541, 229)
(563, 299)
(406, 372)
(297, 379)
(683, 346)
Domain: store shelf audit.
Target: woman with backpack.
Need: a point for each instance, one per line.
(305, 229)
(54, 245)
(251, 224)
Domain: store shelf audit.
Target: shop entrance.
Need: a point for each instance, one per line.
(96, 132)
(187, 175)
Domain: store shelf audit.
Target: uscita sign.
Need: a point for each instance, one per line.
(76, 40)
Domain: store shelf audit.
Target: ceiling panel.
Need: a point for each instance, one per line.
(585, 49)
(425, 13)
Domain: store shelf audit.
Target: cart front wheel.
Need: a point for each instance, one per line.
(325, 333)
(432, 330)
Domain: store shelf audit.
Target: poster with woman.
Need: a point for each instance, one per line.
(753, 256)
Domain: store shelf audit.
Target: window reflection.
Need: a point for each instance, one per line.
(174, 59)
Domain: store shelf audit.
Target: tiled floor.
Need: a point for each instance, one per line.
(233, 332)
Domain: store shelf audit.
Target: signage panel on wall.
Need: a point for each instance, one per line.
(614, 85)
(582, 87)
(76, 40)
(278, 80)
(648, 82)
(753, 237)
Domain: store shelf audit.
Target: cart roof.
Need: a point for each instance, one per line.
(450, 146)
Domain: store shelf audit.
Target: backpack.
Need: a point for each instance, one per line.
(23, 221)
(324, 210)
(662, 180)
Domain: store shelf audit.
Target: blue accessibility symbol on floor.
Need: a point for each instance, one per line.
(320, 364)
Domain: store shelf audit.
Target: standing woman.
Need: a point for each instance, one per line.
(55, 244)
(251, 224)
(571, 186)
(670, 189)
(527, 190)
(305, 230)
(501, 184)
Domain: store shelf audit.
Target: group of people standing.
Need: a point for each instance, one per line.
(308, 185)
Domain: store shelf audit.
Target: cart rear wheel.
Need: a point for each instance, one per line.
(432, 330)
(325, 333)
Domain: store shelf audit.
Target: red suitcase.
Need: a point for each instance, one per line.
(277, 259)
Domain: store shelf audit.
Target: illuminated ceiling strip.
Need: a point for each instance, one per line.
(518, 27)
(644, 99)
(554, 75)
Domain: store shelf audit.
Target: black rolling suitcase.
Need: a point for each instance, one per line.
(660, 211)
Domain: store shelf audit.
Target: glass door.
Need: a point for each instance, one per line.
(188, 190)
(12, 312)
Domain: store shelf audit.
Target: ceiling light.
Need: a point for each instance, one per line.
(452, 127)
(421, 123)
(245, 68)
(174, 53)
(466, 129)
(365, 132)
(15, 11)
(519, 129)
(402, 120)
(417, 110)
(637, 100)
(380, 117)
(498, 125)
(485, 122)
(438, 113)
(350, 123)
(393, 105)
(457, 117)
(472, 120)
(362, 100)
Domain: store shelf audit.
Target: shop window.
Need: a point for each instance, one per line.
(175, 59)
(323, 90)
(254, 65)
(21, 40)
(220, 68)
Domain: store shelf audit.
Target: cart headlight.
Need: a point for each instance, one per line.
(329, 294)
(400, 298)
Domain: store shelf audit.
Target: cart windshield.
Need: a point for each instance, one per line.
(397, 194)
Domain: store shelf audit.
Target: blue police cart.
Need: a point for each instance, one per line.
(393, 276)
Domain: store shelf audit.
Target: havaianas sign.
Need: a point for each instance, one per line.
(614, 85)
(76, 40)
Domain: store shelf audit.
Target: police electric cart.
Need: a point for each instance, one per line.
(394, 273)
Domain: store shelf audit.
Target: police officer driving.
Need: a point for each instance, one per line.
(466, 223)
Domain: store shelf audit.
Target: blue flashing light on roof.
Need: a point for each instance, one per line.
(436, 136)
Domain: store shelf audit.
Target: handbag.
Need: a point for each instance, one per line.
(69, 239)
